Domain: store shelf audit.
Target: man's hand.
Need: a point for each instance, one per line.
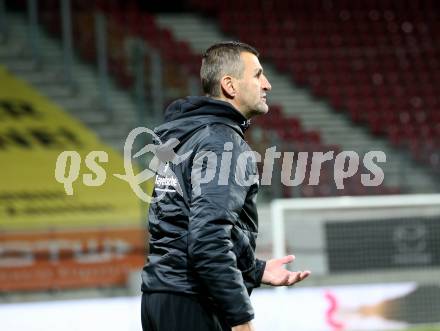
(244, 327)
(276, 275)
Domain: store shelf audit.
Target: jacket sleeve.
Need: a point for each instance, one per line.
(214, 210)
(259, 271)
(253, 277)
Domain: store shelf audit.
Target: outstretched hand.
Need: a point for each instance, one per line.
(276, 275)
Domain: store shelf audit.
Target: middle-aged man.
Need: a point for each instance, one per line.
(202, 266)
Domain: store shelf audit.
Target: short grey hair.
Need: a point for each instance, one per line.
(222, 59)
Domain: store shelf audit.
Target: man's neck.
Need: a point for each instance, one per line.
(232, 103)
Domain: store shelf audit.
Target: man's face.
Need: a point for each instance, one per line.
(252, 87)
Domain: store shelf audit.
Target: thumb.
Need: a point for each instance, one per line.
(287, 259)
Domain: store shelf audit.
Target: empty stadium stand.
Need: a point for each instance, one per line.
(375, 61)
(345, 73)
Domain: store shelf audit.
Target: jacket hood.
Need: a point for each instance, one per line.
(184, 116)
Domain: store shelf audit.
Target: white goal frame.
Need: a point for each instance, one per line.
(312, 206)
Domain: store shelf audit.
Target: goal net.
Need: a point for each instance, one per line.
(360, 236)
(367, 244)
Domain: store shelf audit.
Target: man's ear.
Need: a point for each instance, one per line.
(227, 86)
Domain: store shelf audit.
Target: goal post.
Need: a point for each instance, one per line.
(394, 237)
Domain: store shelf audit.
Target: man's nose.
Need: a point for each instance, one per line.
(266, 84)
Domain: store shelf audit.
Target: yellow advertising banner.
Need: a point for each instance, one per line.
(33, 132)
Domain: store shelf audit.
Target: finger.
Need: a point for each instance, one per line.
(285, 280)
(287, 259)
(293, 278)
(305, 274)
(296, 277)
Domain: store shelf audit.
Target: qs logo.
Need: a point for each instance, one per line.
(159, 165)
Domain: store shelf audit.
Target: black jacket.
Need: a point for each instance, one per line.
(202, 235)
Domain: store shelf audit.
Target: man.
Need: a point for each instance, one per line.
(202, 266)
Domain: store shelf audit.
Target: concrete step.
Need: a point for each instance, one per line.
(11, 50)
(44, 78)
(21, 66)
(73, 102)
(92, 118)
